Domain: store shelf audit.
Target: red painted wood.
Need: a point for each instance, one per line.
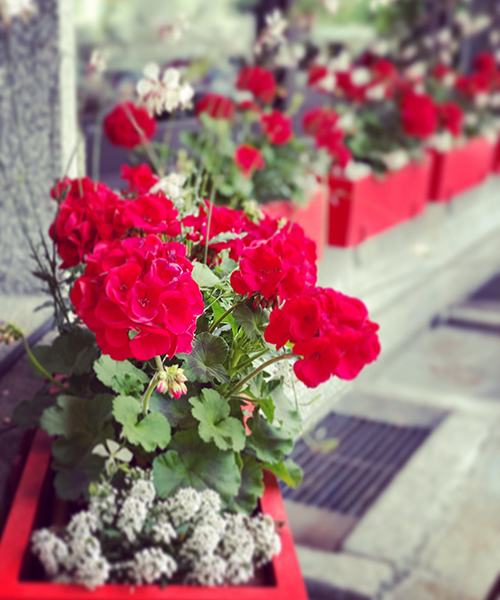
(460, 169)
(312, 218)
(496, 160)
(14, 546)
(366, 207)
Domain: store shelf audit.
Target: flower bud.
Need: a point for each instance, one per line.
(10, 333)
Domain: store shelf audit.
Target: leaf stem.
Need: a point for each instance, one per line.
(147, 395)
(256, 371)
(41, 369)
(223, 316)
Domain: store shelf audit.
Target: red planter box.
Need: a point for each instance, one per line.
(460, 169)
(496, 160)
(17, 580)
(363, 208)
(312, 218)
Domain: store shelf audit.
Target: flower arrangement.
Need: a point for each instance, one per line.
(162, 390)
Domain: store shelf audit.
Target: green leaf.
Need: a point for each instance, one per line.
(215, 423)
(193, 463)
(203, 276)
(72, 482)
(151, 432)
(72, 352)
(176, 410)
(269, 443)
(286, 414)
(26, 414)
(218, 311)
(288, 471)
(77, 417)
(205, 362)
(121, 376)
(252, 485)
(252, 320)
(225, 236)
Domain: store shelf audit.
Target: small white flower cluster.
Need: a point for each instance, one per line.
(165, 93)
(186, 537)
(173, 187)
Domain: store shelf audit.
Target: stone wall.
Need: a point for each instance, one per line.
(30, 149)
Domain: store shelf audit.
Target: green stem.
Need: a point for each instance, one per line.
(147, 395)
(42, 370)
(247, 363)
(209, 220)
(257, 371)
(228, 312)
(159, 364)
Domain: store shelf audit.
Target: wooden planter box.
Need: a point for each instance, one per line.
(366, 207)
(20, 573)
(460, 169)
(496, 159)
(312, 218)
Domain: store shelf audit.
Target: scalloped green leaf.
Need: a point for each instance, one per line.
(252, 485)
(212, 411)
(269, 443)
(151, 432)
(191, 462)
(121, 376)
(252, 320)
(206, 360)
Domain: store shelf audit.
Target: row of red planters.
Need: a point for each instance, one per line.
(360, 209)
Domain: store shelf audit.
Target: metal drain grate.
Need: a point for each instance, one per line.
(351, 477)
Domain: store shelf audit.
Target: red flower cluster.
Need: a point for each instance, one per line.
(474, 84)
(222, 220)
(91, 213)
(247, 158)
(321, 123)
(277, 127)
(128, 125)
(259, 81)
(248, 106)
(277, 268)
(451, 117)
(316, 74)
(140, 178)
(329, 331)
(137, 295)
(419, 115)
(485, 63)
(216, 106)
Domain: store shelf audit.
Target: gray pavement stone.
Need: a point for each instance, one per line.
(318, 528)
(341, 576)
(398, 524)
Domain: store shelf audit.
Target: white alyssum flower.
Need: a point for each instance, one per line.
(376, 92)
(163, 531)
(209, 570)
(131, 517)
(102, 503)
(347, 121)
(150, 564)
(173, 187)
(332, 6)
(9, 9)
(50, 550)
(481, 22)
(341, 62)
(494, 37)
(82, 525)
(382, 47)
(471, 119)
(237, 541)
(442, 141)
(210, 501)
(203, 540)
(416, 70)
(361, 76)
(91, 571)
(183, 506)
(495, 100)
(481, 100)
(444, 36)
(396, 160)
(165, 93)
(267, 543)
(356, 170)
(409, 52)
(289, 55)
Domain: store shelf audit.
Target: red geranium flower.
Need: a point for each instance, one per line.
(248, 158)
(248, 106)
(137, 295)
(140, 178)
(277, 127)
(277, 268)
(316, 75)
(330, 333)
(418, 114)
(129, 125)
(472, 85)
(451, 117)
(485, 63)
(259, 81)
(216, 106)
(152, 213)
(318, 119)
